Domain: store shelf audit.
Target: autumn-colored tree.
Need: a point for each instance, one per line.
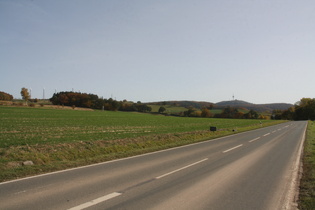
(206, 113)
(25, 94)
(251, 115)
(305, 109)
(5, 96)
(196, 114)
(63, 98)
(288, 114)
(276, 114)
(230, 112)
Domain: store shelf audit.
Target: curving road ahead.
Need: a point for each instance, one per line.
(251, 170)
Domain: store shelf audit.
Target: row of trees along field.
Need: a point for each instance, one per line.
(303, 110)
(228, 112)
(94, 102)
(5, 96)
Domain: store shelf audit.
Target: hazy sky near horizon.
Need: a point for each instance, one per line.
(145, 50)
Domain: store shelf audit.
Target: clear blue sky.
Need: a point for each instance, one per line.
(148, 50)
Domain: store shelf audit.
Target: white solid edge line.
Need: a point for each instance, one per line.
(121, 159)
(96, 201)
(291, 199)
(254, 139)
(232, 148)
(117, 160)
(159, 177)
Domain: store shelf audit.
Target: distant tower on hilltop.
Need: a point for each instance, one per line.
(233, 96)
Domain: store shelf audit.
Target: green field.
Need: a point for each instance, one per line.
(55, 139)
(27, 126)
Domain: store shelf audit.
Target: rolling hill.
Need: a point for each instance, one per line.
(223, 104)
(256, 107)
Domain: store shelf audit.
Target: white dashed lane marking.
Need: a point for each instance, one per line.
(228, 150)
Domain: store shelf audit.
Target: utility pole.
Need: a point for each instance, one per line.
(43, 93)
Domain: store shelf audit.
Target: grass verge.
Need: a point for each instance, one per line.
(307, 184)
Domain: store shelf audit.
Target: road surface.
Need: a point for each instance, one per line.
(251, 170)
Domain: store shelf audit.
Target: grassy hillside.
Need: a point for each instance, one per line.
(169, 109)
(256, 107)
(186, 104)
(57, 139)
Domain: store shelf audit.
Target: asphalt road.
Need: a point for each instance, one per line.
(251, 170)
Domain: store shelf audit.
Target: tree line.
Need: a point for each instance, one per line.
(76, 99)
(227, 112)
(302, 110)
(5, 96)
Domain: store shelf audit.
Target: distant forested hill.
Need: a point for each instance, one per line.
(223, 104)
(234, 103)
(256, 107)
